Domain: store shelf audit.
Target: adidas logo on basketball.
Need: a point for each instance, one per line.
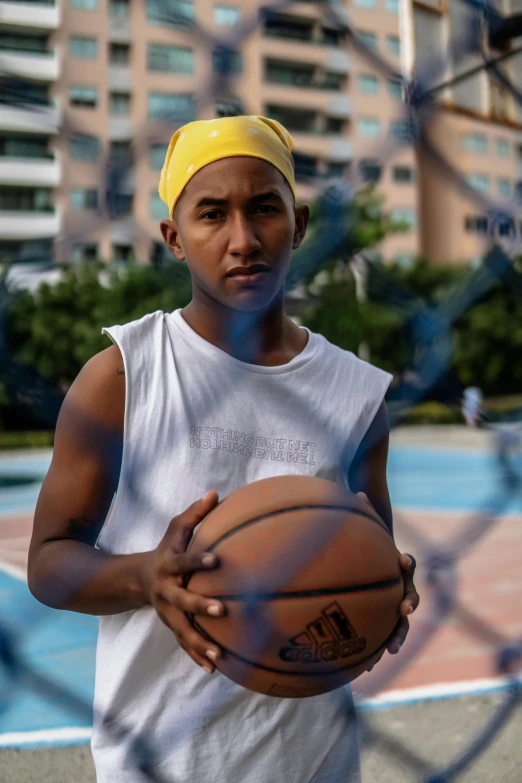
(328, 638)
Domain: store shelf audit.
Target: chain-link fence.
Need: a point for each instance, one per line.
(431, 330)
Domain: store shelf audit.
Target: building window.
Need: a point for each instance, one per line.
(84, 198)
(23, 146)
(305, 166)
(85, 148)
(294, 73)
(171, 106)
(277, 25)
(366, 3)
(158, 208)
(476, 224)
(299, 120)
(367, 83)
(120, 153)
(504, 188)
(331, 37)
(393, 44)
(84, 5)
(371, 170)
(118, 9)
(392, 6)
(20, 199)
(226, 61)
(503, 148)
(170, 59)
(367, 39)
(171, 13)
(83, 96)
(119, 103)
(84, 48)
(335, 125)
(158, 153)
(13, 42)
(336, 169)
(475, 142)
(402, 174)
(405, 216)
(119, 54)
(122, 253)
(478, 182)
(230, 108)
(400, 130)
(226, 15)
(333, 81)
(395, 89)
(83, 252)
(369, 127)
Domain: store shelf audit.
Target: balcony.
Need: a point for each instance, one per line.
(339, 106)
(30, 171)
(40, 119)
(29, 224)
(36, 15)
(120, 78)
(120, 128)
(44, 66)
(340, 150)
(120, 31)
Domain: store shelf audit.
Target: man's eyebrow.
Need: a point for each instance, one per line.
(211, 201)
(270, 195)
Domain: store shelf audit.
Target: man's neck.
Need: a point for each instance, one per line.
(267, 338)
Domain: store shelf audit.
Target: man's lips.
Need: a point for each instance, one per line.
(248, 271)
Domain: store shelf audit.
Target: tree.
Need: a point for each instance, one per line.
(57, 329)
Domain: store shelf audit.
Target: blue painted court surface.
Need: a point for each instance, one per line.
(59, 646)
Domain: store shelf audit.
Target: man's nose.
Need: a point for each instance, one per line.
(243, 240)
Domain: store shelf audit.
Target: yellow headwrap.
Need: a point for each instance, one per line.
(202, 142)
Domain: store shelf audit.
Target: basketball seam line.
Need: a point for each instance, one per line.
(310, 593)
(288, 510)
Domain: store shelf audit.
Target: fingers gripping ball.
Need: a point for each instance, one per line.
(311, 581)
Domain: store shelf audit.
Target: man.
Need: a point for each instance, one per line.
(231, 361)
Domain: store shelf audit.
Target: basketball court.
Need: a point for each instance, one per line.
(436, 492)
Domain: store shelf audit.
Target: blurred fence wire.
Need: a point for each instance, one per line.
(430, 328)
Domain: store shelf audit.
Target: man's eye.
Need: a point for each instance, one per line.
(212, 214)
(266, 208)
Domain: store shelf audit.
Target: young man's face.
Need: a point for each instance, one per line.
(236, 226)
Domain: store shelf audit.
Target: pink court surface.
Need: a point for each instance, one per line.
(460, 650)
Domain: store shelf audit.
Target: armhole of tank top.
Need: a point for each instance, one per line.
(124, 451)
(371, 413)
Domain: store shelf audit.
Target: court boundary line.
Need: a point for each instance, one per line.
(81, 735)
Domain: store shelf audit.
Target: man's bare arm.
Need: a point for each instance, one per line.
(65, 570)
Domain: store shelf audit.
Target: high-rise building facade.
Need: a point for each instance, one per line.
(109, 80)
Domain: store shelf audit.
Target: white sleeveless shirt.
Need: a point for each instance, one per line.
(198, 419)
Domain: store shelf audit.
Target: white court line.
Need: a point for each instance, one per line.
(15, 571)
(449, 690)
(443, 690)
(65, 736)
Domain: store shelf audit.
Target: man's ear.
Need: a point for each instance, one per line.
(170, 233)
(302, 218)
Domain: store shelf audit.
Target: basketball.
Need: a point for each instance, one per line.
(310, 579)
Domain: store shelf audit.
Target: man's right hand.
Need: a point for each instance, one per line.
(165, 570)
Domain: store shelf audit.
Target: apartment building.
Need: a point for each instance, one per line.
(111, 78)
(479, 133)
(106, 81)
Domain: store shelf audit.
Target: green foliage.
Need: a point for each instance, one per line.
(58, 329)
(26, 440)
(487, 339)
